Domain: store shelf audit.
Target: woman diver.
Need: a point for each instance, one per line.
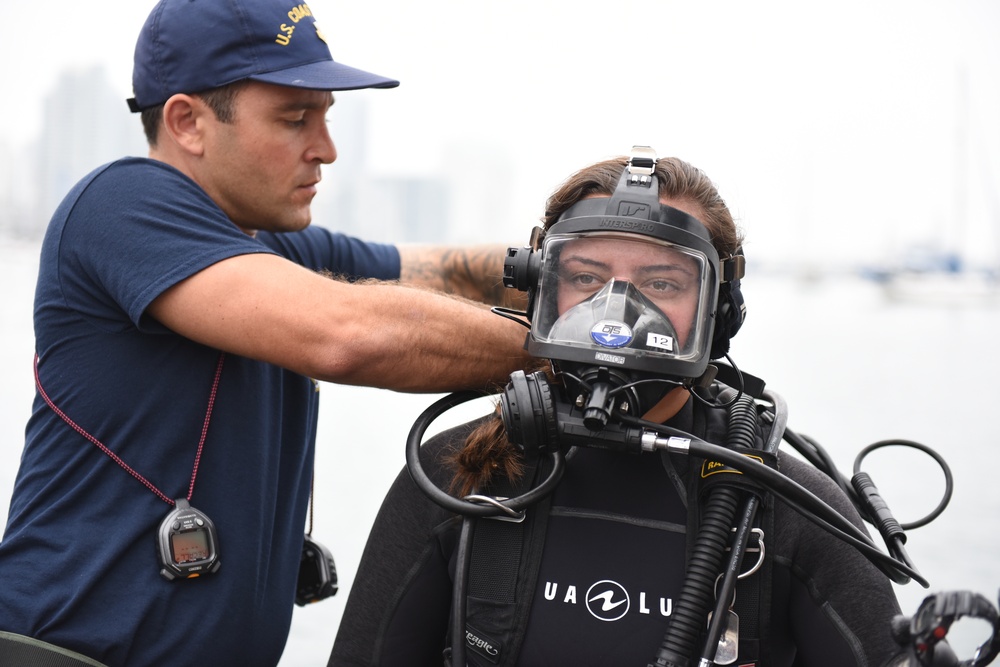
(633, 288)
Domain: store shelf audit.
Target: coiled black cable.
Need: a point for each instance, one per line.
(698, 591)
(699, 581)
(743, 427)
(458, 505)
(945, 469)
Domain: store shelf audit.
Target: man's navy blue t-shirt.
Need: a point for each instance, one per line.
(78, 560)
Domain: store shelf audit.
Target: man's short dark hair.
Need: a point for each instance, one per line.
(222, 102)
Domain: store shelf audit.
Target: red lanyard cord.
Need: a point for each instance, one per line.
(114, 457)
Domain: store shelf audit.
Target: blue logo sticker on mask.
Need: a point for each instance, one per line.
(611, 333)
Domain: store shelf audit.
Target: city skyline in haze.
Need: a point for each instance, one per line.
(840, 131)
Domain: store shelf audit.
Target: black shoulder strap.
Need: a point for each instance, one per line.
(753, 595)
(506, 555)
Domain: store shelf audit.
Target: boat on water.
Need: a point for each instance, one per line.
(930, 276)
(943, 269)
(947, 289)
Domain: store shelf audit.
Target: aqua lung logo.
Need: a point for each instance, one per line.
(611, 333)
(609, 601)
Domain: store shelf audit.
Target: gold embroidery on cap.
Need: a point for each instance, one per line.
(299, 13)
(287, 37)
(295, 14)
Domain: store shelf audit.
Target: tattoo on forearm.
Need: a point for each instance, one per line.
(473, 272)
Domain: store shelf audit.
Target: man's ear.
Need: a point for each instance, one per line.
(184, 118)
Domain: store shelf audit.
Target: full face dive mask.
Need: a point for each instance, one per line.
(624, 298)
(622, 301)
(622, 282)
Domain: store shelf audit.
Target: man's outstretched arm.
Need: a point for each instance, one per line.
(371, 334)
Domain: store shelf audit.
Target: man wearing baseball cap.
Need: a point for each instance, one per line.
(181, 315)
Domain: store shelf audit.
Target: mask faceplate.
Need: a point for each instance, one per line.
(624, 300)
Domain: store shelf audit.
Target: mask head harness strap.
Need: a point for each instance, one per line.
(732, 309)
(638, 191)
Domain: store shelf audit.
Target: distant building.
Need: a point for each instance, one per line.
(480, 182)
(360, 199)
(18, 217)
(86, 123)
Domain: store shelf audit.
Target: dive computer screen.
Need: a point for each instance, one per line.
(190, 546)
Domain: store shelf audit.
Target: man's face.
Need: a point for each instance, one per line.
(667, 277)
(262, 169)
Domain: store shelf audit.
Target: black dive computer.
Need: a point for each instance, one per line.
(188, 544)
(317, 574)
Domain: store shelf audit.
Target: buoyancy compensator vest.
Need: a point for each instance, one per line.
(506, 555)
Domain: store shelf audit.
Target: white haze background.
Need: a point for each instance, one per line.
(839, 133)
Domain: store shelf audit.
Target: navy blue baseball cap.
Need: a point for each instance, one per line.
(188, 46)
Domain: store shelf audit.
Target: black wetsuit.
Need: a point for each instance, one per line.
(611, 570)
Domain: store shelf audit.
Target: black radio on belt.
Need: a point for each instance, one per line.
(317, 574)
(188, 543)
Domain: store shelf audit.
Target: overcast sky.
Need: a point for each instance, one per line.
(831, 128)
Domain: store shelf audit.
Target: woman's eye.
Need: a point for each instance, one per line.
(586, 280)
(663, 287)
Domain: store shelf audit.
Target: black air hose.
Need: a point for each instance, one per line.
(719, 511)
(743, 424)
